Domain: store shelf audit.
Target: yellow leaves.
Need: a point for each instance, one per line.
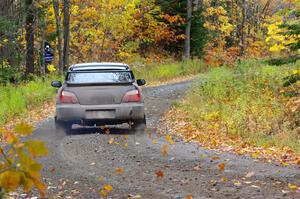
(23, 129)
(36, 148)
(106, 189)
(100, 179)
(215, 11)
(276, 37)
(293, 186)
(51, 68)
(169, 139)
(277, 48)
(9, 180)
(164, 150)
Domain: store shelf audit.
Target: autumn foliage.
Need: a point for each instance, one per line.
(18, 165)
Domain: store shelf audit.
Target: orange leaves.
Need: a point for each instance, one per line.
(119, 170)
(189, 196)
(215, 158)
(221, 166)
(173, 19)
(159, 174)
(9, 180)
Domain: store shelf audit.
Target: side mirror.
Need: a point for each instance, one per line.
(140, 82)
(56, 84)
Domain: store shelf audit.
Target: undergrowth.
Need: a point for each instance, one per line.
(247, 101)
(159, 72)
(16, 100)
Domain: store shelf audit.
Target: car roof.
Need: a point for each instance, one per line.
(99, 66)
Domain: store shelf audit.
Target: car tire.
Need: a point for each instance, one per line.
(139, 126)
(65, 127)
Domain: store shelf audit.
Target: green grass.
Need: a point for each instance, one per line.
(247, 102)
(15, 101)
(163, 72)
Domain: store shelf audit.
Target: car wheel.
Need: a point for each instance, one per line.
(139, 126)
(65, 127)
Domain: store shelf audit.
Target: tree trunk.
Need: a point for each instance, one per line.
(29, 27)
(59, 36)
(42, 49)
(187, 46)
(66, 23)
(242, 30)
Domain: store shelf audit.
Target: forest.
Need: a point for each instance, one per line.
(242, 57)
(220, 32)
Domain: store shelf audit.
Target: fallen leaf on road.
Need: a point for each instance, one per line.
(159, 174)
(197, 168)
(215, 158)
(164, 150)
(119, 170)
(154, 141)
(284, 164)
(111, 140)
(237, 183)
(221, 166)
(249, 174)
(202, 156)
(293, 186)
(105, 190)
(224, 179)
(52, 169)
(169, 139)
(134, 196)
(189, 196)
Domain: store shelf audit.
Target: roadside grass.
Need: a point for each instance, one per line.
(17, 100)
(160, 72)
(247, 102)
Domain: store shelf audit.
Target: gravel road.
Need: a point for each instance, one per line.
(75, 163)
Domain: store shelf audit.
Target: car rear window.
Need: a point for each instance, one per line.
(100, 77)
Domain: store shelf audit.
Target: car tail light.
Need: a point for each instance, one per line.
(67, 97)
(132, 96)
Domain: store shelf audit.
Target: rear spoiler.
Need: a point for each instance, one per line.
(99, 84)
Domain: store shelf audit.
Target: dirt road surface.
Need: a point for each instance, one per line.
(75, 163)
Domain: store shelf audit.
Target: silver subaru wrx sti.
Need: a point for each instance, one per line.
(99, 94)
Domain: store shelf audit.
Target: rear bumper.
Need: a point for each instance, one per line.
(114, 112)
